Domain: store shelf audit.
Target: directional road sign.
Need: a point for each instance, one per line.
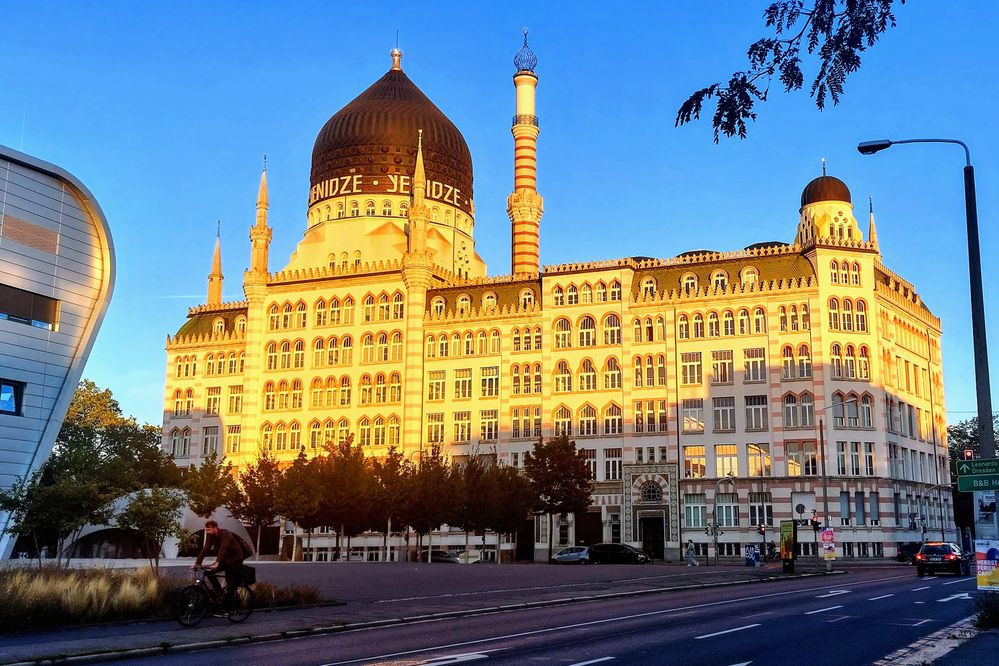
(974, 482)
(978, 466)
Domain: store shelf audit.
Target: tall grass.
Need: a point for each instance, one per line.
(51, 597)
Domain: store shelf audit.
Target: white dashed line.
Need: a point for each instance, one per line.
(592, 661)
(727, 631)
(917, 589)
(823, 610)
(883, 596)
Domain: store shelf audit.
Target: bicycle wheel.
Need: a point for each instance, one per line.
(190, 605)
(243, 604)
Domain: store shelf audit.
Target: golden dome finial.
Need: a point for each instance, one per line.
(396, 54)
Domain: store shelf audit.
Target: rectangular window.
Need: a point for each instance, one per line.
(210, 441)
(212, 404)
(844, 508)
(755, 362)
(488, 425)
(801, 459)
(693, 415)
(869, 458)
(612, 464)
(435, 428)
(462, 427)
(639, 455)
(758, 457)
(726, 460)
(691, 368)
(724, 414)
(695, 510)
(590, 456)
(761, 510)
(639, 419)
(693, 462)
(662, 416)
(25, 307)
(11, 397)
(515, 424)
(435, 385)
(722, 371)
(232, 435)
(841, 453)
(727, 509)
(463, 383)
(235, 399)
(490, 382)
(855, 458)
(537, 423)
(756, 412)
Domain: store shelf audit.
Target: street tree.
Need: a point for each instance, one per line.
(155, 516)
(475, 492)
(835, 32)
(963, 436)
(431, 496)
(209, 486)
(298, 495)
(511, 502)
(390, 491)
(256, 503)
(560, 478)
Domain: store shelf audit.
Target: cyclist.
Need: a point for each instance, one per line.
(229, 551)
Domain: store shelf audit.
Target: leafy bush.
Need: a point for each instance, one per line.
(987, 609)
(52, 597)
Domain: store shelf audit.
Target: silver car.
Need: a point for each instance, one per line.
(571, 555)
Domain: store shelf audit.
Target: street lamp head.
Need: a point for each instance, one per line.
(871, 147)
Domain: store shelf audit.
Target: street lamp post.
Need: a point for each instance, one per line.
(986, 435)
(715, 529)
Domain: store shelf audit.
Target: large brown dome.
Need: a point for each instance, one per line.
(376, 136)
(825, 188)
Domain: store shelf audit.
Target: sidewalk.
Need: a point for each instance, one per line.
(369, 594)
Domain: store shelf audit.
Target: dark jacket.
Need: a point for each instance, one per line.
(225, 547)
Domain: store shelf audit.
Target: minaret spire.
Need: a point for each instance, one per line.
(524, 205)
(215, 277)
(260, 233)
(872, 232)
(418, 212)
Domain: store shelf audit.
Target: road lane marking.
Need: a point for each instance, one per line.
(832, 593)
(727, 631)
(959, 580)
(917, 589)
(961, 595)
(592, 661)
(921, 622)
(823, 610)
(883, 596)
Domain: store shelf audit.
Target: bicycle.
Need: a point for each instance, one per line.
(193, 602)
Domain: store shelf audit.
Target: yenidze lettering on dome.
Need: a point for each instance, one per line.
(388, 184)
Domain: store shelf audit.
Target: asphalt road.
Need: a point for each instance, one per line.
(853, 619)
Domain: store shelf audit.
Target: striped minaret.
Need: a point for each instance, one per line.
(524, 205)
(215, 277)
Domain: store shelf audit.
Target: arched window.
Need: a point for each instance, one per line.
(320, 308)
(833, 314)
(743, 322)
(572, 295)
(844, 269)
(861, 317)
(563, 422)
(728, 323)
(563, 378)
(804, 362)
(683, 327)
(558, 296)
(855, 274)
(383, 347)
(639, 376)
(274, 318)
(637, 326)
(488, 300)
(282, 395)
(612, 330)
(442, 346)
(601, 292)
(807, 410)
(364, 431)
(688, 283)
(698, 325)
(836, 361)
(714, 328)
(210, 364)
(866, 412)
(793, 315)
(397, 306)
(435, 214)
(339, 211)
(285, 355)
(270, 396)
(395, 387)
(782, 318)
(494, 342)
(847, 319)
(864, 364)
(396, 346)
(834, 271)
(231, 362)
(615, 290)
(612, 420)
(526, 298)
(587, 421)
(759, 320)
(298, 359)
(404, 209)
(805, 321)
(437, 306)
(789, 367)
(316, 393)
(286, 315)
(563, 334)
(586, 294)
(315, 435)
(368, 349)
(369, 308)
(749, 277)
(366, 389)
(587, 332)
(464, 304)
(719, 280)
(381, 388)
(301, 315)
(355, 209)
(386, 208)
(383, 307)
(394, 431)
(272, 362)
(612, 374)
(218, 326)
(651, 492)
(791, 419)
(296, 394)
(267, 437)
(241, 324)
(648, 289)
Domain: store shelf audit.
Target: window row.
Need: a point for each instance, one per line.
(218, 325)
(462, 421)
(609, 422)
(754, 367)
(649, 330)
(849, 317)
(587, 377)
(224, 364)
(692, 327)
(528, 339)
(488, 383)
(463, 304)
(789, 318)
(723, 414)
(795, 365)
(469, 344)
(354, 209)
(586, 294)
(379, 431)
(849, 362)
(844, 272)
(587, 332)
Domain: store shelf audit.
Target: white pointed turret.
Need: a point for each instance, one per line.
(872, 232)
(418, 212)
(260, 233)
(215, 277)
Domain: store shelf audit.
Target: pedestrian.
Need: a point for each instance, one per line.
(771, 551)
(229, 551)
(692, 554)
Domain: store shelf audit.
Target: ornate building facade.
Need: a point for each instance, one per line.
(732, 388)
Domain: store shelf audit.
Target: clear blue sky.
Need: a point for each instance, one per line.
(164, 112)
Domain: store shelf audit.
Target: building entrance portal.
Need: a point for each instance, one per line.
(589, 529)
(653, 534)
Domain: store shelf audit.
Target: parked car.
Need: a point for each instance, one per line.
(615, 553)
(441, 556)
(570, 555)
(469, 557)
(943, 556)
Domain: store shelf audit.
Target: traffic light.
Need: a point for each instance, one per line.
(969, 454)
(816, 523)
(762, 530)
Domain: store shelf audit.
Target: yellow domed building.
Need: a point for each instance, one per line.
(734, 388)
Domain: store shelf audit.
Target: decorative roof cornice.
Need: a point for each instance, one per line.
(221, 307)
(204, 339)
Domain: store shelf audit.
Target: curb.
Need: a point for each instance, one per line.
(168, 649)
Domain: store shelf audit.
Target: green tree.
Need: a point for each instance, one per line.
(475, 490)
(431, 496)
(256, 503)
(835, 32)
(298, 494)
(347, 488)
(512, 503)
(560, 479)
(964, 435)
(155, 516)
(390, 476)
(209, 486)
